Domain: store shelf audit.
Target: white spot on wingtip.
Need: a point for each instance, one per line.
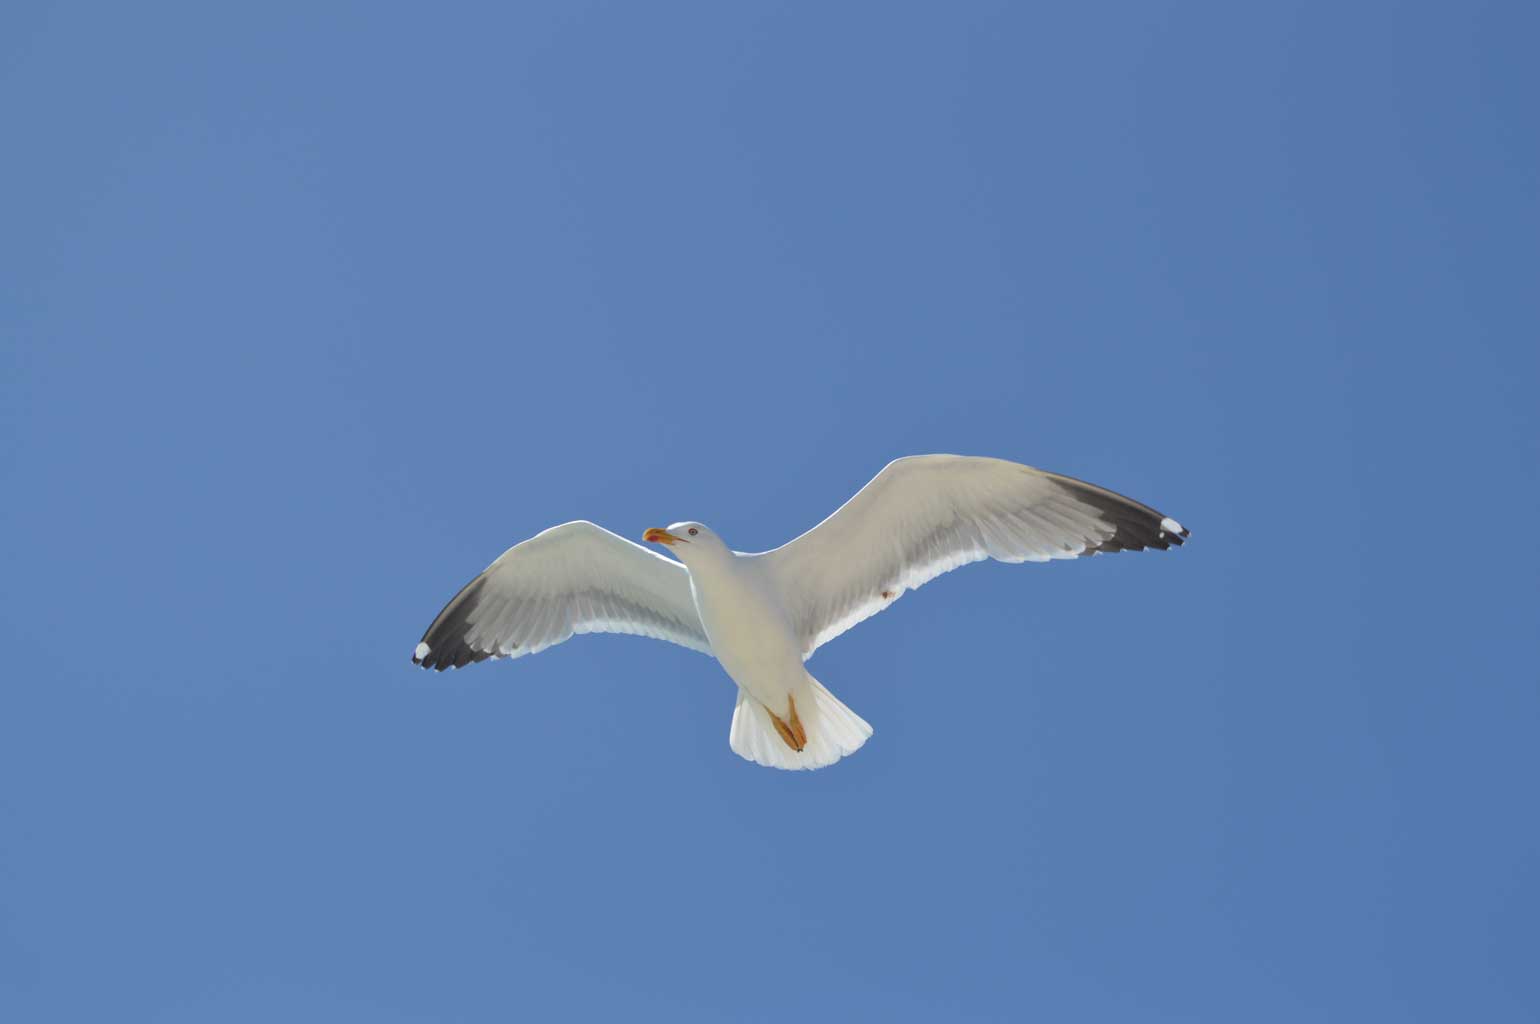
(1171, 526)
(420, 653)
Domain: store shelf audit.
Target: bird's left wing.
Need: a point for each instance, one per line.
(928, 514)
(573, 578)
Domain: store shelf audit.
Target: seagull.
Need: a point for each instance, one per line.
(763, 615)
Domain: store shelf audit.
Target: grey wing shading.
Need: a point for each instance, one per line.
(928, 514)
(573, 578)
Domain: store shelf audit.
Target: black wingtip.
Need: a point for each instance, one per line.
(444, 644)
(455, 654)
(1135, 526)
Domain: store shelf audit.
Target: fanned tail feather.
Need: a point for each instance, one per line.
(833, 730)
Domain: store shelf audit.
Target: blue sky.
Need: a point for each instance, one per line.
(308, 311)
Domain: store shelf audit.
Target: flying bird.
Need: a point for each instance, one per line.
(763, 615)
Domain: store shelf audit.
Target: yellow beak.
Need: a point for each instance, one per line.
(658, 536)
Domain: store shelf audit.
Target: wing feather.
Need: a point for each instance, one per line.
(928, 514)
(573, 578)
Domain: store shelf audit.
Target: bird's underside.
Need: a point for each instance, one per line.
(920, 517)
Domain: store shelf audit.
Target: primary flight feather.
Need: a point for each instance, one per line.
(762, 615)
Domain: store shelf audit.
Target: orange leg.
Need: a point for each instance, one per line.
(796, 724)
(793, 735)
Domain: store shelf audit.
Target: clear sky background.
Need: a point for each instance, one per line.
(308, 311)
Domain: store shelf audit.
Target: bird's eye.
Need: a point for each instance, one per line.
(693, 531)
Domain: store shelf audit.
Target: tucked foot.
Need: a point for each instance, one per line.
(793, 735)
(796, 723)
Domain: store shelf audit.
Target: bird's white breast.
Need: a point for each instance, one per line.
(750, 632)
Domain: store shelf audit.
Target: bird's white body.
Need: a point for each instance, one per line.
(762, 615)
(743, 612)
(747, 624)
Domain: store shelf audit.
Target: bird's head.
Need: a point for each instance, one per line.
(686, 539)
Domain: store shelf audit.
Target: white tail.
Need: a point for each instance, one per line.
(833, 730)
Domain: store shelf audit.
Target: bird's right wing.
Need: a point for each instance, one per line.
(928, 514)
(573, 578)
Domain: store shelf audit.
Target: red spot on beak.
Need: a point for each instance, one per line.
(657, 536)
